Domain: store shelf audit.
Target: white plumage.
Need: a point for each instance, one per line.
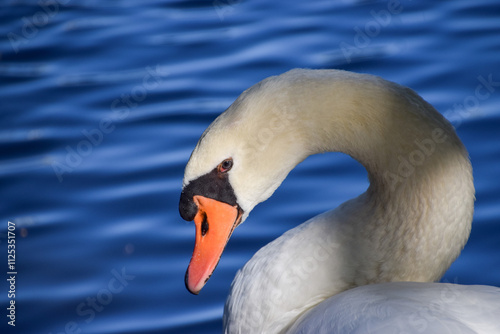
(410, 224)
(406, 307)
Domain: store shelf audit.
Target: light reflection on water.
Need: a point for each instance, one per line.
(116, 204)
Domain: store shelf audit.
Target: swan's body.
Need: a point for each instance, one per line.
(406, 307)
(409, 225)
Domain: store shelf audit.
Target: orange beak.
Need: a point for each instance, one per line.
(215, 222)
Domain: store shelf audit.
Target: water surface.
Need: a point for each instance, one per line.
(103, 101)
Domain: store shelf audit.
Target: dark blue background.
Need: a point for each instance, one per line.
(102, 102)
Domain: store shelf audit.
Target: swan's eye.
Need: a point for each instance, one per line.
(225, 165)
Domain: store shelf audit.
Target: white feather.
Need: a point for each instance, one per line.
(406, 307)
(410, 224)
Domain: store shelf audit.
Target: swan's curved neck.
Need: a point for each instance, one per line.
(418, 208)
(409, 225)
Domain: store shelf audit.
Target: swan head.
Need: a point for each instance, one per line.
(239, 161)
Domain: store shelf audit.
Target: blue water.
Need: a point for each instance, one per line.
(103, 101)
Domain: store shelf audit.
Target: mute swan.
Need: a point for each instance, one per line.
(410, 224)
